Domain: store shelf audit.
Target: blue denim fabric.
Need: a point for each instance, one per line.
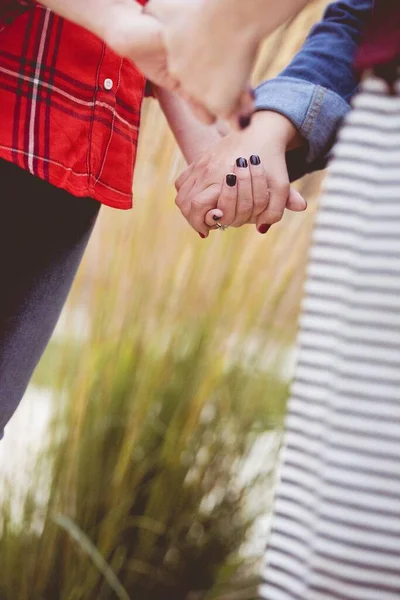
(315, 90)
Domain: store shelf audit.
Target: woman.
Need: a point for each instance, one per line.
(336, 525)
(337, 514)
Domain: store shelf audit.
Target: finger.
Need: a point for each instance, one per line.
(240, 116)
(200, 112)
(246, 107)
(295, 201)
(244, 204)
(228, 199)
(183, 177)
(259, 183)
(184, 196)
(198, 109)
(199, 207)
(213, 217)
(279, 189)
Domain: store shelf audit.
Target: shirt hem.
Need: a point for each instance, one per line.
(78, 192)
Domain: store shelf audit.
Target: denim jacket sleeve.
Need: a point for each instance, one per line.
(314, 91)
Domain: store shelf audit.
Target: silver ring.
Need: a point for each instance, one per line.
(221, 227)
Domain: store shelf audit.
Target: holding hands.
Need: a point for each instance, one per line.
(205, 50)
(219, 190)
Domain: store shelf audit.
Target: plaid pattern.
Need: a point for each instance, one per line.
(59, 118)
(10, 9)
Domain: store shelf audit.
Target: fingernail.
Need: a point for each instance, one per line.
(241, 162)
(244, 121)
(264, 228)
(216, 217)
(202, 235)
(255, 159)
(231, 180)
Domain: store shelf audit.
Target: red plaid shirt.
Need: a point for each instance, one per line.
(69, 107)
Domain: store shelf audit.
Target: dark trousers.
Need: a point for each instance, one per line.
(43, 235)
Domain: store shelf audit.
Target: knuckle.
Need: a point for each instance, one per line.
(228, 219)
(282, 188)
(274, 216)
(202, 161)
(199, 205)
(179, 180)
(258, 174)
(185, 212)
(243, 175)
(179, 201)
(244, 210)
(208, 171)
(238, 222)
(261, 201)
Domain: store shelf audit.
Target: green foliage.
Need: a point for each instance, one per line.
(145, 482)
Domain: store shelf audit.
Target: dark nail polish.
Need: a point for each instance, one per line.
(241, 162)
(264, 228)
(216, 217)
(244, 121)
(231, 180)
(255, 159)
(202, 235)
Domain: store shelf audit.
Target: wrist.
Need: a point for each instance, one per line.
(270, 126)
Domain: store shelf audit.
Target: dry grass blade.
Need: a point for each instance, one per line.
(90, 550)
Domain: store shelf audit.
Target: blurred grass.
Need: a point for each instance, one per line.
(183, 362)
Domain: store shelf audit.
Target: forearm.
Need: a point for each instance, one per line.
(259, 17)
(193, 137)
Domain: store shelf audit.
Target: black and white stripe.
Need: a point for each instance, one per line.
(336, 527)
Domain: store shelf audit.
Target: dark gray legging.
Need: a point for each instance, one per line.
(43, 235)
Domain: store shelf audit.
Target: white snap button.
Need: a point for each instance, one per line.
(108, 84)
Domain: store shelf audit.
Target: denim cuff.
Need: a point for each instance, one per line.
(315, 111)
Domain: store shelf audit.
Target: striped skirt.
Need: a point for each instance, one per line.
(336, 526)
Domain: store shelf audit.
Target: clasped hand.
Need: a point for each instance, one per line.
(243, 179)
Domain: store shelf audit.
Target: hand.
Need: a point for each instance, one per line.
(139, 37)
(208, 45)
(124, 27)
(262, 191)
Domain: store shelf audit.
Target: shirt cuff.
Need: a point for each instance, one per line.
(314, 110)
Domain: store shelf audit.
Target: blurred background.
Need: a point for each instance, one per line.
(141, 463)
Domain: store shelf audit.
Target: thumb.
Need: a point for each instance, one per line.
(213, 216)
(295, 201)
